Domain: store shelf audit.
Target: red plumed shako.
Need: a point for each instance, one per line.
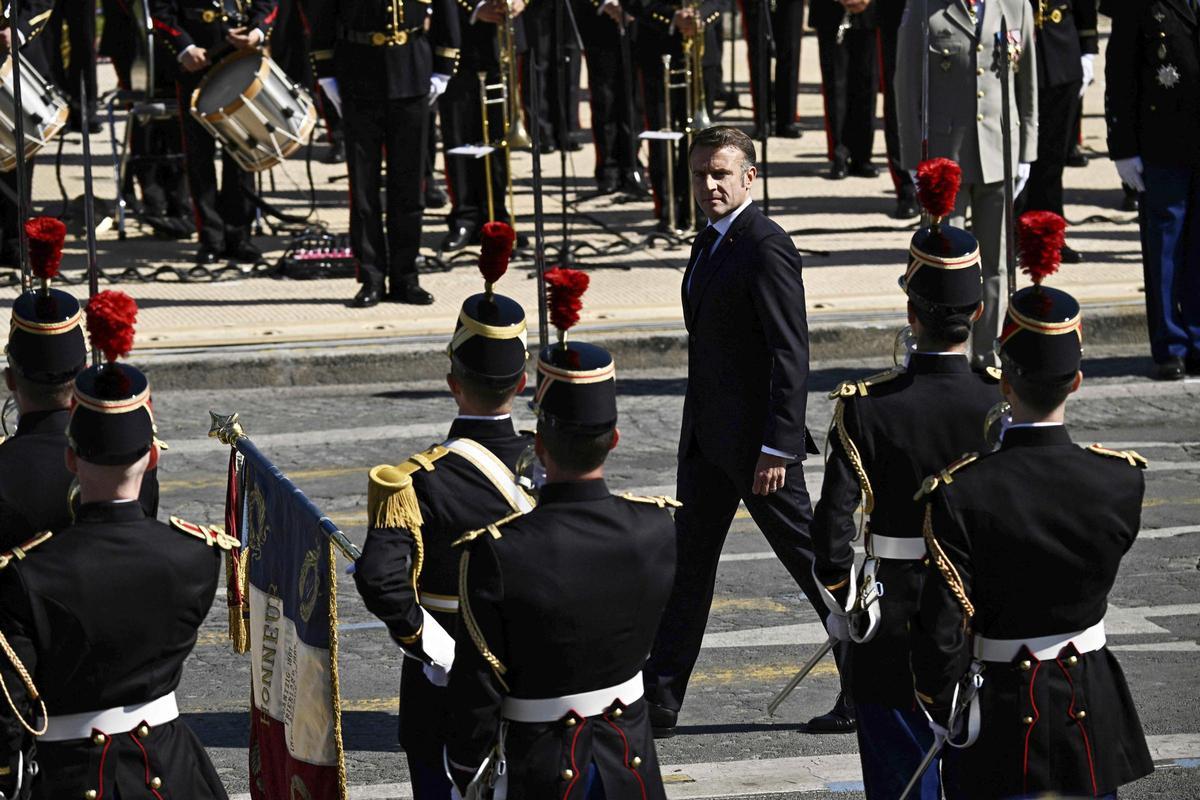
(110, 319)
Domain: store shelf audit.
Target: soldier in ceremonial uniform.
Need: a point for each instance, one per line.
(1024, 546)
(1152, 105)
(559, 608)
(92, 671)
(1067, 44)
(846, 39)
(964, 50)
(385, 62)
(408, 574)
(787, 29)
(45, 352)
(199, 33)
(889, 431)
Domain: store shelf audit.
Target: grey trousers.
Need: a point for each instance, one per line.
(987, 223)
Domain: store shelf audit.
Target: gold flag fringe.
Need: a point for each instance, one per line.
(335, 687)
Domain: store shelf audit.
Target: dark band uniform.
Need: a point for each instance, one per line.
(1025, 544)
(383, 54)
(787, 29)
(888, 432)
(560, 608)
(613, 93)
(849, 78)
(222, 217)
(418, 508)
(101, 665)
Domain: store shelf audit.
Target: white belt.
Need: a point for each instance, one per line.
(585, 704)
(897, 548)
(111, 720)
(445, 603)
(1044, 648)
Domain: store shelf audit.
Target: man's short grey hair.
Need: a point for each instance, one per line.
(719, 136)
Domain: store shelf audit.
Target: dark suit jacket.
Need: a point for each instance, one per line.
(747, 346)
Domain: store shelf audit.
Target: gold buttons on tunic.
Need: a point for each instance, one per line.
(1028, 720)
(567, 774)
(616, 712)
(1056, 16)
(979, 93)
(99, 738)
(945, 52)
(635, 762)
(979, 117)
(1080, 714)
(1072, 661)
(570, 722)
(90, 794)
(156, 782)
(378, 38)
(1026, 665)
(143, 731)
(979, 71)
(978, 48)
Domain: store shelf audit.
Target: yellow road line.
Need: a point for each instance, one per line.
(748, 604)
(177, 484)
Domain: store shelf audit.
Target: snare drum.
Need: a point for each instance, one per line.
(45, 112)
(250, 105)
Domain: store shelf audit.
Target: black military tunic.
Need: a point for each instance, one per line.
(563, 600)
(35, 483)
(1032, 537)
(96, 639)
(453, 497)
(849, 77)
(901, 425)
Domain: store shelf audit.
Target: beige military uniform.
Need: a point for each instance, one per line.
(964, 120)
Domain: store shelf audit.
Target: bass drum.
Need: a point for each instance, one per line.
(251, 106)
(45, 112)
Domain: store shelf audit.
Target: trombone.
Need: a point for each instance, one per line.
(691, 82)
(503, 93)
(693, 53)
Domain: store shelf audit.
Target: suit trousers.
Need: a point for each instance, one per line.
(891, 744)
(610, 90)
(1057, 109)
(81, 60)
(1170, 227)
(222, 217)
(987, 223)
(651, 68)
(710, 493)
(787, 27)
(462, 123)
(849, 77)
(888, 38)
(554, 76)
(397, 129)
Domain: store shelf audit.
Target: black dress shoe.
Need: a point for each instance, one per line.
(367, 296)
(1130, 201)
(633, 183)
(206, 256)
(607, 183)
(864, 169)
(907, 207)
(457, 239)
(243, 252)
(662, 720)
(572, 146)
(435, 196)
(789, 130)
(1070, 255)
(839, 719)
(838, 170)
(336, 153)
(1170, 370)
(410, 294)
(1076, 158)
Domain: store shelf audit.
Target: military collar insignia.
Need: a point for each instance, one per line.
(1168, 76)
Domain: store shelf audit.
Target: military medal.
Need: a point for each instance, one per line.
(1168, 76)
(1162, 52)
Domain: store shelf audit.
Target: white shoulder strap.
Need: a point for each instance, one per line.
(494, 470)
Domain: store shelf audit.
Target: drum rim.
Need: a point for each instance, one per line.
(251, 92)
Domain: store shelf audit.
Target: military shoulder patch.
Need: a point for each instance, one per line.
(19, 552)
(493, 529)
(945, 476)
(1131, 456)
(211, 535)
(861, 387)
(660, 500)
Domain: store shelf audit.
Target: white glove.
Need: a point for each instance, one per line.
(330, 87)
(1022, 179)
(437, 674)
(1130, 170)
(437, 644)
(837, 626)
(437, 86)
(1088, 62)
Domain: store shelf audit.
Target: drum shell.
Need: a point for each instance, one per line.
(45, 112)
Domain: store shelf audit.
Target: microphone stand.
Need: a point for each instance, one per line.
(539, 230)
(563, 13)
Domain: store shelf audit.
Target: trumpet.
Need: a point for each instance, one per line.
(693, 52)
(514, 131)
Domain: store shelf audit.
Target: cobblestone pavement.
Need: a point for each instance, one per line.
(761, 627)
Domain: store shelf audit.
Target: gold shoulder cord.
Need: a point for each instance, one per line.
(29, 687)
(464, 607)
(860, 472)
(946, 567)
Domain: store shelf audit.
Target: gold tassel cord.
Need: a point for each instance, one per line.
(235, 587)
(29, 687)
(855, 458)
(946, 567)
(335, 684)
(464, 607)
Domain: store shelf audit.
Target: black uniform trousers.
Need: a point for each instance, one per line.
(223, 216)
(787, 27)
(465, 176)
(399, 129)
(82, 56)
(849, 77)
(651, 68)
(555, 76)
(610, 90)
(889, 28)
(710, 493)
(1057, 107)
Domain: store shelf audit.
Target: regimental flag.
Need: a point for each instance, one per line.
(289, 612)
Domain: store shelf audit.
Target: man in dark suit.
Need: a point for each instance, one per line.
(1152, 104)
(890, 13)
(743, 436)
(408, 573)
(846, 42)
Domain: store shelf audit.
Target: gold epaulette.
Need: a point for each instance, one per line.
(1131, 456)
(19, 552)
(993, 372)
(860, 386)
(391, 503)
(945, 476)
(660, 500)
(493, 529)
(211, 535)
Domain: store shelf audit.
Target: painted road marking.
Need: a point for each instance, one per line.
(796, 774)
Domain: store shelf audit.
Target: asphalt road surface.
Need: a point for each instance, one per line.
(761, 627)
